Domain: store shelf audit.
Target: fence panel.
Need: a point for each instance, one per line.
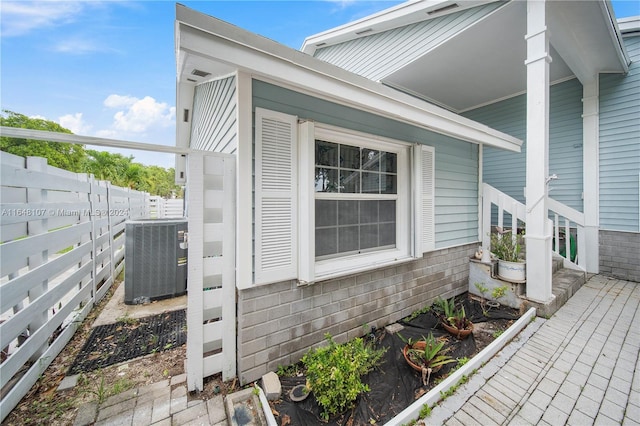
(61, 245)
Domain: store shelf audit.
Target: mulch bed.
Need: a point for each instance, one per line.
(394, 384)
(125, 340)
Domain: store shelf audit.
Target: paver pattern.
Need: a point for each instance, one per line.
(580, 367)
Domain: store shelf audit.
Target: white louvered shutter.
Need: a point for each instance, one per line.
(424, 181)
(275, 197)
(428, 199)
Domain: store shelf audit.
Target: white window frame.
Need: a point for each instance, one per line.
(310, 269)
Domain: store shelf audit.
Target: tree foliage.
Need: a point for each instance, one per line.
(66, 156)
(116, 168)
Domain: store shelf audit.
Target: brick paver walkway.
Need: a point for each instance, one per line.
(580, 367)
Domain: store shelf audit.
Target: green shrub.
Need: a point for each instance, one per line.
(334, 373)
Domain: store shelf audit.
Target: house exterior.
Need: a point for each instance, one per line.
(357, 198)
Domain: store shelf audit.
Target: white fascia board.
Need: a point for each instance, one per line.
(221, 42)
(630, 24)
(616, 36)
(401, 15)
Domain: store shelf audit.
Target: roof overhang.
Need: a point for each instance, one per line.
(215, 47)
(480, 64)
(403, 14)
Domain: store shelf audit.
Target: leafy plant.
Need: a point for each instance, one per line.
(428, 353)
(459, 319)
(444, 307)
(499, 292)
(334, 373)
(505, 246)
(462, 361)
(425, 411)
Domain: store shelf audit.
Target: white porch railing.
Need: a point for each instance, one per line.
(565, 219)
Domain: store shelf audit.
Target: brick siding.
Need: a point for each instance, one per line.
(620, 255)
(279, 323)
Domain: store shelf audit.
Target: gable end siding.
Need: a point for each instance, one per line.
(620, 145)
(213, 126)
(456, 162)
(379, 55)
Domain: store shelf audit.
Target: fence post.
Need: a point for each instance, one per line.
(36, 227)
(110, 225)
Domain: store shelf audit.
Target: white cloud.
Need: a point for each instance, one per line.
(80, 46)
(21, 17)
(139, 115)
(75, 123)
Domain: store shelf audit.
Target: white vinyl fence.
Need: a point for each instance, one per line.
(165, 208)
(61, 246)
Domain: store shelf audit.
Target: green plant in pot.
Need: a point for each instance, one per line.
(453, 319)
(426, 355)
(506, 248)
(458, 324)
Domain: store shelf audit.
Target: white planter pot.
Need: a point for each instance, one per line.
(512, 271)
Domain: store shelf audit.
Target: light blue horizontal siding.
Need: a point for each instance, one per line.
(620, 145)
(213, 124)
(379, 55)
(507, 170)
(456, 184)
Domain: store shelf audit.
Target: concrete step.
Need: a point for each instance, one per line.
(565, 282)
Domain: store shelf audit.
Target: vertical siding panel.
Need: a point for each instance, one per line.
(214, 116)
(456, 162)
(620, 145)
(379, 55)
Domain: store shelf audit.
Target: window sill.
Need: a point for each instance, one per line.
(330, 269)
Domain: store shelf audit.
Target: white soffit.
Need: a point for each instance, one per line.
(484, 63)
(477, 66)
(217, 47)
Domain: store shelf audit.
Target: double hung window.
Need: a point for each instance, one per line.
(356, 199)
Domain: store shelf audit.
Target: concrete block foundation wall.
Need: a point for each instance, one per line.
(620, 255)
(279, 323)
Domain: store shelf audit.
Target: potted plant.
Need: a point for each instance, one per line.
(458, 324)
(506, 248)
(453, 319)
(426, 355)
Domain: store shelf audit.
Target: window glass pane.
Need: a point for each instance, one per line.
(368, 236)
(389, 162)
(370, 183)
(326, 154)
(387, 234)
(347, 212)
(326, 213)
(326, 180)
(326, 241)
(349, 181)
(388, 211)
(370, 159)
(348, 239)
(388, 183)
(349, 157)
(369, 211)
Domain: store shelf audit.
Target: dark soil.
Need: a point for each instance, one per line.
(394, 384)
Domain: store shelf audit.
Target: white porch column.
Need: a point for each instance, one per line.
(591, 178)
(538, 232)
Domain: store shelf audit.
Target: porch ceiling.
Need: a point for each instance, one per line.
(485, 62)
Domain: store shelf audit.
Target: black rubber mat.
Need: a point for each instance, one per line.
(114, 343)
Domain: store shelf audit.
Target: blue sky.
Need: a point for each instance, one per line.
(107, 68)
